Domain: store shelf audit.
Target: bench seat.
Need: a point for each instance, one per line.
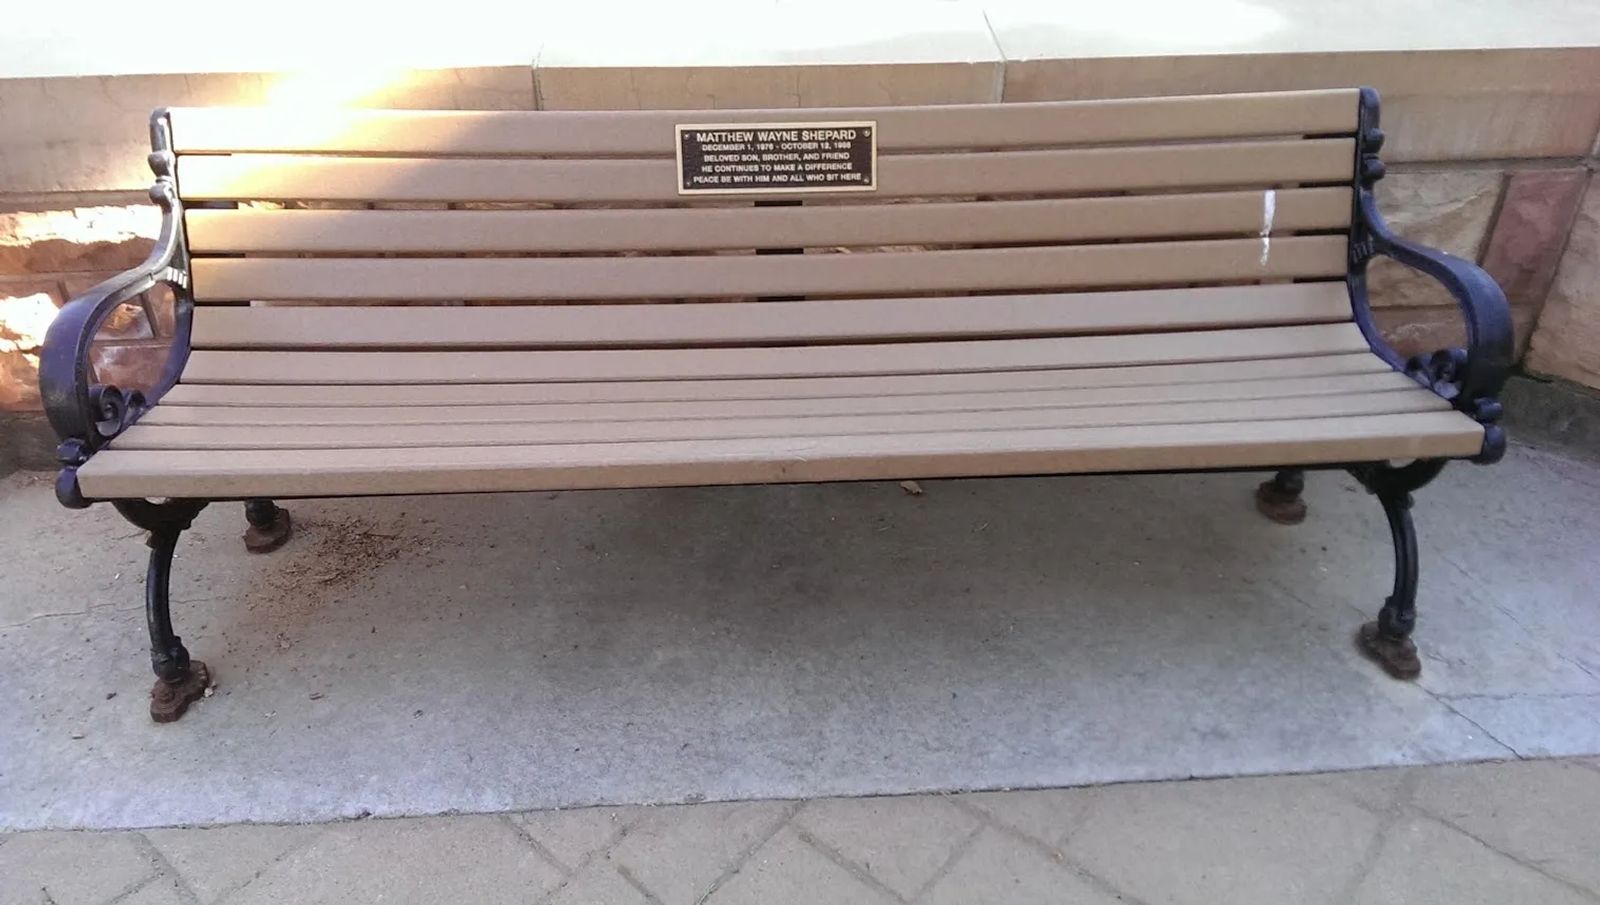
(563, 419)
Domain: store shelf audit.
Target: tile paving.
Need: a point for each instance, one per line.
(1494, 832)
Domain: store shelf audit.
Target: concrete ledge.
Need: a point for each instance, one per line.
(1553, 413)
(1476, 81)
(26, 442)
(91, 133)
(1029, 29)
(706, 87)
(1438, 105)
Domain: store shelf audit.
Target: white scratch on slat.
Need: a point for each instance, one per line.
(1269, 207)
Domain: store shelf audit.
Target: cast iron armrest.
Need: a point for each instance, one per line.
(1470, 378)
(84, 414)
(1464, 376)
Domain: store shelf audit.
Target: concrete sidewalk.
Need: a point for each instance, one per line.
(408, 657)
(1500, 833)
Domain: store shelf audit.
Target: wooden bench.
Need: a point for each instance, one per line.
(385, 302)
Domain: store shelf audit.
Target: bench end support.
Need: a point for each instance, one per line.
(1387, 640)
(180, 680)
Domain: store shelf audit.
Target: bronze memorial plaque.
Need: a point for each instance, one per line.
(777, 158)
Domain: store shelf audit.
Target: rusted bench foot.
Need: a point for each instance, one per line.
(169, 700)
(1279, 499)
(269, 526)
(180, 681)
(1397, 655)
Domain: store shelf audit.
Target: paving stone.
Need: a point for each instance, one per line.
(1532, 811)
(1239, 840)
(215, 860)
(1048, 815)
(679, 852)
(71, 867)
(1426, 862)
(598, 884)
(573, 835)
(449, 859)
(786, 869)
(1379, 789)
(164, 890)
(902, 842)
(1000, 869)
(1535, 725)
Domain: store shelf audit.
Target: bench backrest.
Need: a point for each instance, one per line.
(506, 230)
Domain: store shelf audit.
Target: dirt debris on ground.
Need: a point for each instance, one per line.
(327, 556)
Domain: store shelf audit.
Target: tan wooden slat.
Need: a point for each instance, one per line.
(226, 474)
(267, 177)
(651, 132)
(209, 366)
(424, 279)
(492, 395)
(729, 323)
(1045, 220)
(170, 414)
(525, 433)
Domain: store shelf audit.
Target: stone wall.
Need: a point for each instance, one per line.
(1492, 132)
(1512, 219)
(1567, 341)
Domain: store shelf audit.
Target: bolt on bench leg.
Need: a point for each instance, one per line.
(1279, 499)
(269, 526)
(1388, 639)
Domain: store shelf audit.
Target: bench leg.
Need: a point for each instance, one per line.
(269, 526)
(1279, 499)
(180, 680)
(1387, 640)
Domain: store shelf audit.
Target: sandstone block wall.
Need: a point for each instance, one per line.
(1567, 341)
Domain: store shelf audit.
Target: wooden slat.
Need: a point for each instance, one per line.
(170, 414)
(525, 433)
(225, 474)
(729, 323)
(785, 361)
(1046, 220)
(493, 395)
(651, 132)
(267, 177)
(1057, 267)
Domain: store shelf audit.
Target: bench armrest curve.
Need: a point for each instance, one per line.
(86, 415)
(1469, 378)
(1463, 376)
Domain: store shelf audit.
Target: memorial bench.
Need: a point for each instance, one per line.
(382, 302)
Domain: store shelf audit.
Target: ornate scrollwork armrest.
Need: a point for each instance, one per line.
(84, 414)
(1471, 377)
